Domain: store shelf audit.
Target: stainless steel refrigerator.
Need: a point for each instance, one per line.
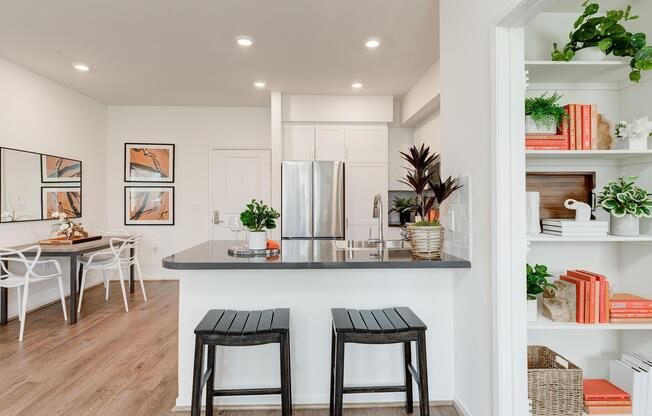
(313, 200)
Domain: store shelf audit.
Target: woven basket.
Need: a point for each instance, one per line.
(426, 242)
(554, 384)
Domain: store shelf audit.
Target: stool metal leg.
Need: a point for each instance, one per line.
(407, 358)
(332, 391)
(339, 376)
(197, 377)
(423, 374)
(210, 382)
(286, 394)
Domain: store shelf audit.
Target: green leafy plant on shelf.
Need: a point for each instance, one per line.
(545, 110)
(404, 207)
(623, 196)
(608, 34)
(259, 217)
(537, 280)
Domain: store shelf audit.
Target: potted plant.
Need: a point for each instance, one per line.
(536, 280)
(67, 227)
(626, 203)
(426, 239)
(607, 36)
(634, 135)
(543, 115)
(257, 218)
(423, 166)
(404, 207)
(442, 190)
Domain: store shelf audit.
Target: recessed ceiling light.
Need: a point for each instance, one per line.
(372, 43)
(259, 84)
(356, 85)
(245, 41)
(81, 67)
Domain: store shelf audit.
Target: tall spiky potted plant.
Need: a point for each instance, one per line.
(423, 165)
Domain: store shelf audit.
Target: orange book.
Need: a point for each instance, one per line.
(601, 389)
(578, 127)
(580, 297)
(570, 109)
(631, 315)
(586, 127)
(608, 410)
(626, 300)
(544, 137)
(565, 130)
(560, 147)
(545, 142)
(604, 296)
(607, 402)
(594, 127)
(631, 320)
(591, 302)
(630, 310)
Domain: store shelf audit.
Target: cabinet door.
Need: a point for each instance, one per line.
(330, 144)
(366, 144)
(363, 182)
(298, 142)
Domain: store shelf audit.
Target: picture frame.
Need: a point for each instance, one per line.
(61, 199)
(149, 162)
(149, 205)
(59, 169)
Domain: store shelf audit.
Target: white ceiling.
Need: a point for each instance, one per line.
(174, 52)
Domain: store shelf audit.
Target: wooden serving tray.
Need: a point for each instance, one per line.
(557, 187)
(63, 241)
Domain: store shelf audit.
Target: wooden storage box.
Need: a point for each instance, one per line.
(554, 383)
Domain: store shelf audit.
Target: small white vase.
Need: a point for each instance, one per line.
(590, 54)
(532, 310)
(639, 143)
(532, 209)
(257, 240)
(533, 128)
(627, 226)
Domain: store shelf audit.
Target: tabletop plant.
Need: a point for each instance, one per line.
(404, 207)
(67, 227)
(608, 34)
(423, 165)
(537, 280)
(545, 110)
(259, 217)
(623, 196)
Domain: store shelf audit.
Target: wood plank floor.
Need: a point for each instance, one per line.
(110, 363)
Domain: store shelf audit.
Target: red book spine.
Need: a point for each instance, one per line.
(630, 304)
(586, 127)
(579, 297)
(591, 286)
(570, 109)
(565, 131)
(594, 127)
(578, 127)
(536, 142)
(630, 310)
(631, 315)
(546, 147)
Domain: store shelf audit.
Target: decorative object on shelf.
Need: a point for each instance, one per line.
(424, 166)
(559, 304)
(603, 398)
(426, 239)
(149, 162)
(592, 296)
(61, 200)
(634, 134)
(533, 200)
(60, 169)
(626, 308)
(626, 203)
(536, 279)
(582, 210)
(404, 207)
(556, 187)
(609, 36)
(554, 383)
(573, 228)
(147, 205)
(605, 139)
(66, 227)
(543, 115)
(257, 218)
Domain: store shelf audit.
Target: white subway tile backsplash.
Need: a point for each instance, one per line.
(455, 216)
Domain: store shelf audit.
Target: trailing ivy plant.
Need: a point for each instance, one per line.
(622, 197)
(259, 217)
(537, 280)
(608, 34)
(545, 111)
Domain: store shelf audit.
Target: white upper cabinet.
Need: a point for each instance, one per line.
(366, 144)
(298, 142)
(330, 143)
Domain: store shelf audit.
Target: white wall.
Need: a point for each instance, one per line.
(428, 132)
(338, 108)
(467, 75)
(423, 97)
(39, 115)
(194, 130)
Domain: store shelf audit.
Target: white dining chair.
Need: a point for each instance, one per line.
(9, 279)
(118, 257)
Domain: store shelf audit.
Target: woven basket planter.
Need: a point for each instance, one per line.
(554, 383)
(426, 242)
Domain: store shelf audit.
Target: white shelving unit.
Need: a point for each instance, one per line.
(619, 155)
(547, 238)
(578, 71)
(545, 324)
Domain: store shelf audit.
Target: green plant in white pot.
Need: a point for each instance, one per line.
(627, 203)
(536, 281)
(543, 115)
(258, 218)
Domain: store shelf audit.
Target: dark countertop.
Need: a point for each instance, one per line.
(304, 254)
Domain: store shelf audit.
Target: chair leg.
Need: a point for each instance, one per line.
(332, 390)
(18, 303)
(140, 279)
(286, 390)
(407, 358)
(106, 276)
(195, 405)
(81, 289)
(210, 382)
(63, 297)
(339, 376)
(23, 312)
(122, 286)
(423, 374)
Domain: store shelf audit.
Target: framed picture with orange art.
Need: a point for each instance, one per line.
(61, 200)
(149, 162)
(149, 205)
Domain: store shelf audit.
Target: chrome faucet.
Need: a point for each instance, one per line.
(378, 213)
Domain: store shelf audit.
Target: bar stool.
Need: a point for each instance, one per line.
(386, 326)
(230, 328)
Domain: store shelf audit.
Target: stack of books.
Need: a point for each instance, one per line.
(603, 398)
(630, 309)
(632, 373)
(591, 296)
(578, 132)
(572, 228)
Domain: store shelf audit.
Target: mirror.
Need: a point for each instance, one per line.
(35, 185)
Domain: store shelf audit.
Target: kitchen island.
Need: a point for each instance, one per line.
(310, 277)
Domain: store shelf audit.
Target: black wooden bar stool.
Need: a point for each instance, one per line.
(234, 329)
(386, 326)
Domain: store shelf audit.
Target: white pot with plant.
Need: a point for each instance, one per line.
(536, 281)
(543, 115)
(633, 135)
(258, 218)
(626, 203)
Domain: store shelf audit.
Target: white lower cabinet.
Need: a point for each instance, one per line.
(363, 181)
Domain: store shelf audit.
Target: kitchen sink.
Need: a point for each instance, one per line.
(361, 245)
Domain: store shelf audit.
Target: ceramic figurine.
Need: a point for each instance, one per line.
(582, 210)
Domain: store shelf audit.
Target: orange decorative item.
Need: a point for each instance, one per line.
(272, 245)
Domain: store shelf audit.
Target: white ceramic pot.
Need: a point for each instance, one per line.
(532, 310)
(533, 128)
(257, 240)
(590, 54)
(627, 226)
(533, 217)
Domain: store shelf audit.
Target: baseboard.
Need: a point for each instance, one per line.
(381, 405)
(460, 407)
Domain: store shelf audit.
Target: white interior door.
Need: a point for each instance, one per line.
(238, 176)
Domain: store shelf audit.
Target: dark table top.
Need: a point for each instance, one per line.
(304, 254)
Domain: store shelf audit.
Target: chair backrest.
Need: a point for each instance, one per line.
(115, 233)
(126, 249)
(18, 256)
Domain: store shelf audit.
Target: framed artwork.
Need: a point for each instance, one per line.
(149, 205)
(56, 169)
(149, 162)
(67, 200)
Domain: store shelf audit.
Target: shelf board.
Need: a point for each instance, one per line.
(543, 324)
(547, 238)
(586, 154)
(578, 71)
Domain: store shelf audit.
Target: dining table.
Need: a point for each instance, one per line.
(73, 252)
